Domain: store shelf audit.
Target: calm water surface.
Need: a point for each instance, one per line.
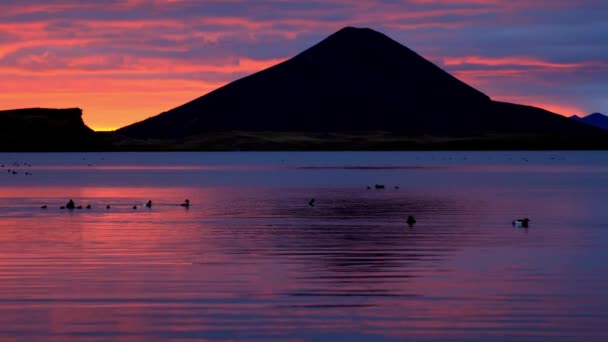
(251, 260)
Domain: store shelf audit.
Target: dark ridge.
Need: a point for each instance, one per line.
(356, 79)
(44, 129)
(598, 120)
(356, 82)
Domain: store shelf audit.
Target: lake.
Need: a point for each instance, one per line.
(251, 260)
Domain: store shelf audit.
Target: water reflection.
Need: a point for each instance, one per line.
(258, 262)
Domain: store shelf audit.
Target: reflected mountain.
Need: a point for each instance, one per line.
(349, 239)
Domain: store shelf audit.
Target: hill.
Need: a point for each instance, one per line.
(596, 119)
(43, 129)
(358, 83)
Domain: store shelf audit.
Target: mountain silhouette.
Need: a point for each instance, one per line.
(355, 80)
(596, 119)
(45, 129)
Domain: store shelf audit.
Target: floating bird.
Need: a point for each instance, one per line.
(79, 207)
(379, 186)
(369, 187)
(70, 205)
(88, 206)
(134, 207)
(523, 223)
(410, 220)
(396, 188)
(108, 206)
(43, 207)
(311, 202)
(149, 204)
(62, 207)
(186, 203)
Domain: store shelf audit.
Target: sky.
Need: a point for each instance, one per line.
(122, 61)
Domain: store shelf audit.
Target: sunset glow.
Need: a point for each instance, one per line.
(124, 61)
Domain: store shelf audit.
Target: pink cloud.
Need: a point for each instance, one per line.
(509, 61)
(59, 47)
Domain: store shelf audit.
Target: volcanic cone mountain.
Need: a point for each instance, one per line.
(355, 80)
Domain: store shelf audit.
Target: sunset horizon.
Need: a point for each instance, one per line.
(289, 170)
(124, 61)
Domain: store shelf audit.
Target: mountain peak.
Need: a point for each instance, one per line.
(350, 42)
(355, 80)
(596, 119)
(352, 30)
(356, 31)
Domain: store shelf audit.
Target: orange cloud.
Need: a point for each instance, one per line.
(140, 57)
(508, 61)
(107, 104)
(109, 98)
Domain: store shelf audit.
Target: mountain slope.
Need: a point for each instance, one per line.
(362, 78)
(355, 80)
(596, 119)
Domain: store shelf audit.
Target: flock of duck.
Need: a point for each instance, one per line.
(71, 205)
(13, 171)
(411, 220)
(519, 223)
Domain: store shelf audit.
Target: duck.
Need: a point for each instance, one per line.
(311, 202)
(379, 186)
(410, 220)
(134, 207)
(186, 203)
(108, 206)
(148, 204)
(523, 223)
(70, 205)
(88, 206)
(79, 207)
(43, 207)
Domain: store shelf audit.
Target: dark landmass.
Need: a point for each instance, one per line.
(43, 129)
(596, 119)
(352, 141)
(356, 90)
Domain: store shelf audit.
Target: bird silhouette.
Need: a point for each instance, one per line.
(411, 220)
(523, 223)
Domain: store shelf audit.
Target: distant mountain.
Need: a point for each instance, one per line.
(358, 82)
(596, 119)
(43, 129)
